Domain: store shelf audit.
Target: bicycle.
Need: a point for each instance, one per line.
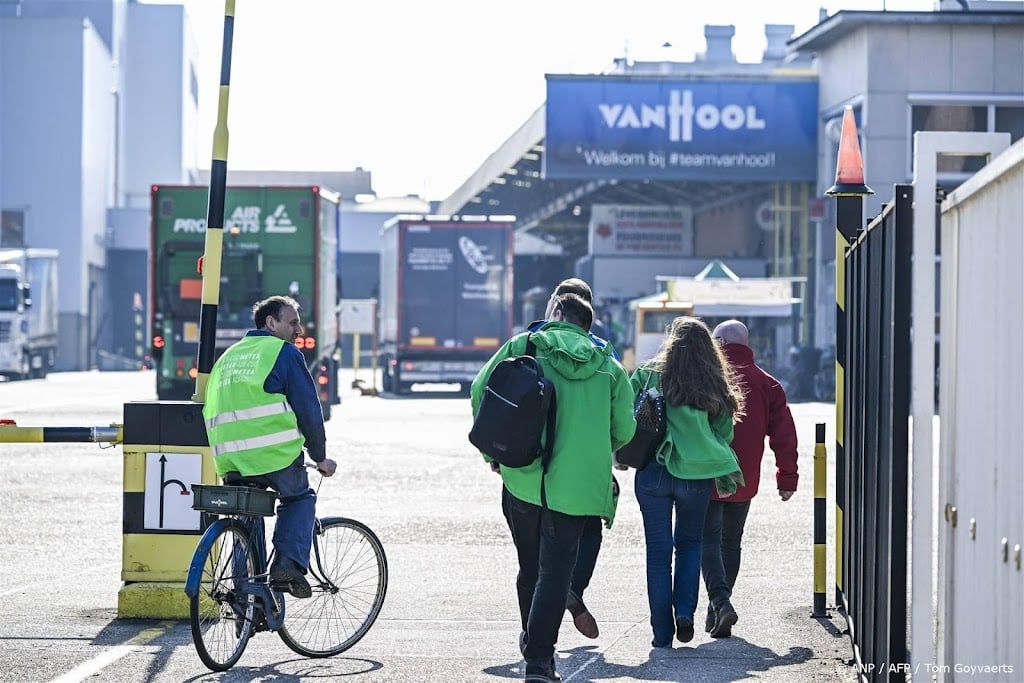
(231, 596)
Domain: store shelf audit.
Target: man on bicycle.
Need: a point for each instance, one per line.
(261, 410)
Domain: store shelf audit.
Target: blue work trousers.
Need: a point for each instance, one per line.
(296, 510)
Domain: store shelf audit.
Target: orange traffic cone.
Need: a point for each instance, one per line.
(850, 163)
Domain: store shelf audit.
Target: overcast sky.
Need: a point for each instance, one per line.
(420, 92)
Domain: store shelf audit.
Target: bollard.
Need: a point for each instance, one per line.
(819, 521)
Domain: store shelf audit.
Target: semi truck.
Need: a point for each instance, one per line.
(445, 298)
(276, 240)
(28, 312)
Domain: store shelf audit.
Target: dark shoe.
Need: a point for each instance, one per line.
(542, 672)
(724, 622)
(581, 616)
(287, 576)
(709, 623)
(655, 643)
(522, 643)
(684, 630)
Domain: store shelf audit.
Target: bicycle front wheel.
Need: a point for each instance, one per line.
(348, 573)
(222, 613)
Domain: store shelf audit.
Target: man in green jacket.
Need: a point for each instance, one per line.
(594, 418)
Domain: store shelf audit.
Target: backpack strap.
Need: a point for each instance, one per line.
(549, 432)
(531, 348)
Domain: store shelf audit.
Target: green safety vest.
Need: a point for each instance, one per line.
(250, 431)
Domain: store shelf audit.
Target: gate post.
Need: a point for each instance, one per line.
(849, 191)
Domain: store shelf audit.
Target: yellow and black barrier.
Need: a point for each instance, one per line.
(819, 521)
(10, 432)
(165, 453)
(165, 446)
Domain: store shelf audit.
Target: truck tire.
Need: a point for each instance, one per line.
(400, 387)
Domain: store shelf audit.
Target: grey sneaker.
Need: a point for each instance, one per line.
(542, 672)
(287, 576)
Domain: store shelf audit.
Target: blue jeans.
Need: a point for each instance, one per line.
(720, 559)
(296, 510)
(546, 543)
(658, 492)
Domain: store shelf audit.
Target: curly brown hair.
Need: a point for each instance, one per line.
(695, 372)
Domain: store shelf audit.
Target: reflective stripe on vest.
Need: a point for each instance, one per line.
(230, 416)
(249, 430)
(256, 442)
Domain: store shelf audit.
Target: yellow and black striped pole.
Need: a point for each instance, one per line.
(10, 432)
(849, 191)
(819, 521)
(215, 216)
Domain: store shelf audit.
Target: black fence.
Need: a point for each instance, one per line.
(872, 477)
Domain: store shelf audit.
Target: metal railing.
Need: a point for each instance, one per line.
(873, 473)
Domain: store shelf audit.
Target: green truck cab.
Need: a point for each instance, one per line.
(277, 240)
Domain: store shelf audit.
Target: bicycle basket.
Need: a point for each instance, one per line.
(233, 500)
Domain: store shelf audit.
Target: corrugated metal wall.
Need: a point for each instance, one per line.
(981, 434)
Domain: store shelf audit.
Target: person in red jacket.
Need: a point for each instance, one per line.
(767, 415)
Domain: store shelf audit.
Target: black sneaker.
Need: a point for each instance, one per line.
(582, 619)
(684, 630)
(726, 619)
(542, 672)
(709, 622)
(287, 576)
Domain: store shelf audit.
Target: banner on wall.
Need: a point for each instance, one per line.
(633, 230)
(672, 129)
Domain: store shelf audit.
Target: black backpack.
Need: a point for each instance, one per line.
(518, 402)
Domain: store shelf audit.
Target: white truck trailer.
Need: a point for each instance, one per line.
(28, 312)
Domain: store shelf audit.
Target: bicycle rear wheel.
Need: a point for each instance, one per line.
(349, 576)
(221, 614)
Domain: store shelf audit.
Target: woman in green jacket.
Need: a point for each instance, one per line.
(702, 400)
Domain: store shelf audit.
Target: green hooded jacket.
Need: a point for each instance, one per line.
(696, 446)
(594, 418)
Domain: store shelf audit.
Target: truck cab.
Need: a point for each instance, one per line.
(14, 300)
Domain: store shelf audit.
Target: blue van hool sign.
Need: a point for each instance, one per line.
(613, 127)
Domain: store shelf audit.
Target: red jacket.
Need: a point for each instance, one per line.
(767, 415)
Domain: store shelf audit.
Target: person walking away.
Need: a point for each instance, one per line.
(767, 416)
(547, 511)
(590, 541)
(261, 410)
(702, 400)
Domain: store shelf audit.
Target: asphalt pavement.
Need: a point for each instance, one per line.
(407, 470)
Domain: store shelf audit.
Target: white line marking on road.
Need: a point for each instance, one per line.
(598, 654)
(96, 664)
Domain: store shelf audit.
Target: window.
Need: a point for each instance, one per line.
(12, 228)
(1010, 120)
(970, 118)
